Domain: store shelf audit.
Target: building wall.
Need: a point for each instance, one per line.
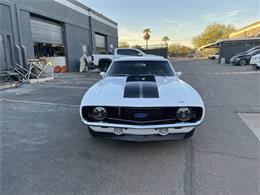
(250, 31)
(76, 38)
(79, 27)
(230, 48)
(6, 31)
(25, 30)
(110, 32)
(112, 41)
(53, 10)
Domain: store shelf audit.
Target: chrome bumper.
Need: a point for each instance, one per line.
(141, 130)
(101, 124)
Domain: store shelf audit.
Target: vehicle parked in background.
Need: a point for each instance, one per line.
(102, 61)
(255, 61)
(244, 59)
(142, 99)
(232, 60)
(214, 56)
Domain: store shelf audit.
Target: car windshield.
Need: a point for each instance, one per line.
(148, 67)
(252, 49)
(254, 52)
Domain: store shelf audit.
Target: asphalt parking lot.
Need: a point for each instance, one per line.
(45, 149)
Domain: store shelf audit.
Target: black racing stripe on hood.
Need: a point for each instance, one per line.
(141, 87)
(149, 90)
(132, 90)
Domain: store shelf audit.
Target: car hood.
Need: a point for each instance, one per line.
(238, 56)
(171, 90)
(243, 56)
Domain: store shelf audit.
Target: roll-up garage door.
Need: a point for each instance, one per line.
(100, 41)
(44, 31)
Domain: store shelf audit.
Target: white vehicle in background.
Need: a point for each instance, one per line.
(255, 61)
(102, 61)
(214, 56)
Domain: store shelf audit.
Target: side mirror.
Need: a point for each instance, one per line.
(102, 74)
(140, 54)
(179, 74)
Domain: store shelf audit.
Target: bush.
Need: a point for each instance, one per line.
(177, 50)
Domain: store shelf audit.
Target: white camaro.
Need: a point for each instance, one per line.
(141, 99)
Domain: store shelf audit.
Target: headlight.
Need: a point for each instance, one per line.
(183, 114)
(99, 113)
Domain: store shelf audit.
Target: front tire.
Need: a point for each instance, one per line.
(242, 62)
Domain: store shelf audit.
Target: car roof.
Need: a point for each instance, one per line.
(143, 58)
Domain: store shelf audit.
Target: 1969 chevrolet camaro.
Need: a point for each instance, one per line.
(141, 99)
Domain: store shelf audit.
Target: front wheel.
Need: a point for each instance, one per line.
(242, 62)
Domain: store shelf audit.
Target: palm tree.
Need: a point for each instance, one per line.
(147, 36)
(165, 39)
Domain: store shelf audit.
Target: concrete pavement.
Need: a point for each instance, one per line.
(46, 150)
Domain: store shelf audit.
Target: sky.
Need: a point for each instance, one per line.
(179, 20)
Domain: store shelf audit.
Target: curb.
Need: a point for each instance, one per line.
(9, 85)
(40, 80)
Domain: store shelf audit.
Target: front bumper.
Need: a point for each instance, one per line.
(174, 131)
(142, 138)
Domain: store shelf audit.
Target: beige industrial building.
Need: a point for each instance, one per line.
(249, 31)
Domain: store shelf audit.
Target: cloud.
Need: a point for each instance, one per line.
(130, 36)
(223, 16)
(170, 21)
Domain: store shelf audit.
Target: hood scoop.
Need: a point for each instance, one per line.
(141, 87)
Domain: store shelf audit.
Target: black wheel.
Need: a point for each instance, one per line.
(242, 62)
(190, 134)
(104, 66)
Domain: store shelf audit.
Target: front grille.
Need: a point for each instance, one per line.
(141, 116)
